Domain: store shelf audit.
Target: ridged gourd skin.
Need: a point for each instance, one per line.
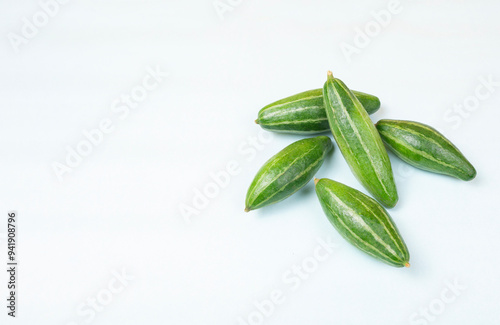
(424, 147)
(305, 113)
(287, 171)
(359, 141)
(363, 222)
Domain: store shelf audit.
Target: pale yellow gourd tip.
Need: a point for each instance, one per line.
(247, 209)
(256, 121)
(407, 264)
(316, 180)
(329, 73)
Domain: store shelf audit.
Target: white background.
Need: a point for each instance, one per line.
(119, 209)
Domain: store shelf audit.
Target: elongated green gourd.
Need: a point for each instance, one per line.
(287, 172)
(424, 147)
(363, 222)
(359, 141)
(305, 113)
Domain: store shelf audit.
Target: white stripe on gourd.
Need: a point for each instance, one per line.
(296, 177)
(360, 221)
(293, 101)
(377, 177)
(363, 222)
(381, 222)
(422, 153)
(298, 122)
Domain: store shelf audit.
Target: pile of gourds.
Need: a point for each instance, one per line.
(360, 219)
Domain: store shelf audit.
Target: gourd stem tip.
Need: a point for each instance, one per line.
(407, 264)
(247, 209)
(316, 180)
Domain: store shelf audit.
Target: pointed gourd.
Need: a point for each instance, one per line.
(305, 113)
(359, 141)
(424, 147)
(363, 222)
(287, 172)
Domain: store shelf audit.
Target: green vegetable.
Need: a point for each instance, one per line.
(424, 147)
(359, 141)
(304, 113)
(363, 222)
(287, 171)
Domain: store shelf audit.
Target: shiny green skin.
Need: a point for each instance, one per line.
(305, 113)
(359, 142)
(363, 222)
(287, 172)
(424, 147)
